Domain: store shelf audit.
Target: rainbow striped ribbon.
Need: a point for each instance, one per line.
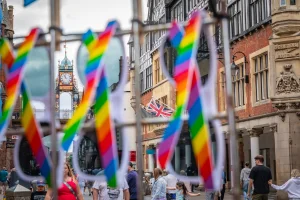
(14, 81)
(105, 132)
(188, 92)
(96, 48)
(104, 125)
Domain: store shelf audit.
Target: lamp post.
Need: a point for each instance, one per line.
(235, 69)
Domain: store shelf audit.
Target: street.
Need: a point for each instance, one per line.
(228, 196)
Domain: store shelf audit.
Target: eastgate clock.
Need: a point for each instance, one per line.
(66, 78)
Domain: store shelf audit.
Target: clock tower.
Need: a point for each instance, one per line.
(66, 82)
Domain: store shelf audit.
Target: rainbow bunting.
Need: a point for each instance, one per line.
(14, 82)
(188, 92)
(94, 73)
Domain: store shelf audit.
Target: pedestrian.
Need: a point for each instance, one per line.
(159, 186)
(186, 183)
(190, 171)
(131, 180)
(259, 176)
(210, 194)
(3, 180)
(69, 190)
(244, 179)
(182, 192)
(292, 186)
(40, 192)
(81, 183)
(223, 182)
(101, 191)
(147, 186)
(171, 181)
(13, 178)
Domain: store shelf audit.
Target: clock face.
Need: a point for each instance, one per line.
(66, 78)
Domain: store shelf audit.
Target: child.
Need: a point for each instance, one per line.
(40, 192)
(181, 191)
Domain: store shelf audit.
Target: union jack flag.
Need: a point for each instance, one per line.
(159, 110)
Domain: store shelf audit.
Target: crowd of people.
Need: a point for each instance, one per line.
(255, 183)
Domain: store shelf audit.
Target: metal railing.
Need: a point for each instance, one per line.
(138, 30)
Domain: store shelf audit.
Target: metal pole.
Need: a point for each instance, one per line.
(54, 15)
(230, 111)
(137, 38)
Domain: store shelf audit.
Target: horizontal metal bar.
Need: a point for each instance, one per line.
(89, 126)
(146, 29)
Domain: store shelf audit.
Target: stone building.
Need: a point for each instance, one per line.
(264, 39)
(7, 30)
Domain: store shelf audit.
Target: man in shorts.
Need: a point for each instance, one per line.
(3, 179)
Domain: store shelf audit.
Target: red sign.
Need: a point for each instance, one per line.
(132, 156)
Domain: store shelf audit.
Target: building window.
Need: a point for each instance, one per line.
(142, 81)
(157, 72)
(293, 2)
(235, 18)
(164, 100)
(149, 77)
(147, 43)
(261, 77)
(282, 2)
(259, 11)
(238, 86)
(177, 13)
(132, 54)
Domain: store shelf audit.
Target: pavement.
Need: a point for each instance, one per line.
(227, 196)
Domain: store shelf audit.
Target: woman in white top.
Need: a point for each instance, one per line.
(292, 186)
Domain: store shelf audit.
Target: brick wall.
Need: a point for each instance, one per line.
(248, 44)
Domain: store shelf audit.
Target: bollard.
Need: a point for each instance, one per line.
(18, 192)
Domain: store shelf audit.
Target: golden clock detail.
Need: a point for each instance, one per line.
(66, 78)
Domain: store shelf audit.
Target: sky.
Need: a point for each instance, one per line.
(76, 16)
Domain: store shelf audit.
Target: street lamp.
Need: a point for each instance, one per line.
(235, 69)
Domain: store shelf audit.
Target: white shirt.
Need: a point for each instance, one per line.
(292, 187)
(171, 182)
(106, 193)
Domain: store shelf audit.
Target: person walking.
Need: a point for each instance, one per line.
(159, 186)
(244, 180)
(101, 191)
(186, 183)
(292, 186)
(223, 182)
(171, 181)
(131, 180)
(190, 171)
(181, 191)
(69, 190)
(260, 176)
(3, 179)
(13, 178)
(81, 183)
